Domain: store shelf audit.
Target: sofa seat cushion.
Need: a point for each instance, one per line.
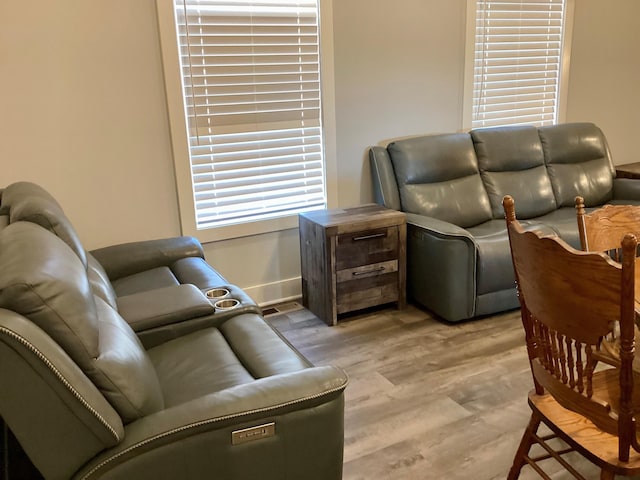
(260, 347)
(147, 280)
(494, 268)
(195, 365)
(623, 202)
(188, 270)
(243, 349)
(562, 222)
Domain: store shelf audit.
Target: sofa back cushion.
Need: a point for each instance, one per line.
(438, 176)
(578, 162)
(26, 201)
(99, 280)
(44, 281)
(127, 377)
(511, 162)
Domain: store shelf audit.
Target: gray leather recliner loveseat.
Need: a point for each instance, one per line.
(451, 187)
(115, 364)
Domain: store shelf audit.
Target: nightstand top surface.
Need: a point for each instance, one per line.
(352, 219)
(628, 170)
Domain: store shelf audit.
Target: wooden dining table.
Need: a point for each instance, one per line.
(610, 352)
(637, 286)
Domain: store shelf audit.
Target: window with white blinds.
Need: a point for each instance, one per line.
(517, 63)
(251, 82)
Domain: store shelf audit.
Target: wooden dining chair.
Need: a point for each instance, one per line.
(603, 228)
(570, 300)
(602, 231)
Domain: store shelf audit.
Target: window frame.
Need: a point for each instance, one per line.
(469, 63)
(179, 137)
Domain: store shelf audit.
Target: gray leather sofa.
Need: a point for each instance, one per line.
(451, 188)
(115, 364)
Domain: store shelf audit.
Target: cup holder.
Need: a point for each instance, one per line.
(226, 304)
(216, 293)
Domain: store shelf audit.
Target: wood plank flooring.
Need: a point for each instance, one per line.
(426, 399)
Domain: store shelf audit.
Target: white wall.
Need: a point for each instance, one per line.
(82, 113)
(82, 109)
(399, 72)
(604, 84)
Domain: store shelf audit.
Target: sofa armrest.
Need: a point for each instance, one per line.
(438, 227)
(160, 330)
(163, 306)
(626, 189)
(44, 391)
(441, 267)
(129, 258)
(385, 187)
(304, 405)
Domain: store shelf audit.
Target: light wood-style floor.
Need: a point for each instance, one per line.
(426, 399)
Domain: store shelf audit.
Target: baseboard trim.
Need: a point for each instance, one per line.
(275, 292)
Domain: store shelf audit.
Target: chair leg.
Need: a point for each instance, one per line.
(606, 475)
(525, 445)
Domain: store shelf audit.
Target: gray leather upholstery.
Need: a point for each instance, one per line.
(59, 416)
(384, 183)
(436, 176)
(578, 163)
(100, 283)
(130, 268)
(30, 202)
(152, 384)
(163, 306)
(511, 160)
(451, 187)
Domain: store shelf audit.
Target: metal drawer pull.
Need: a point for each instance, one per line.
(379, 269)
(367, 237)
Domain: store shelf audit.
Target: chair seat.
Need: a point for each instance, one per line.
(583, 435)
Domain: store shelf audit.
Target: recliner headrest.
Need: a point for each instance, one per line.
(26, 201)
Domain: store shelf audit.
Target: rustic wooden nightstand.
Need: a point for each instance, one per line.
(351, 259)
(628, 170)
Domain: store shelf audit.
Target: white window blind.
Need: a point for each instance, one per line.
(251, 82)
(518, 48)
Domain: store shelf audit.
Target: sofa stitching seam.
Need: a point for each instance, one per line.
(61, 377)
(210, 421)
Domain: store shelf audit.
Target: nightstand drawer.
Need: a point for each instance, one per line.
(364, 248)
(366, 271)
(367, 291)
